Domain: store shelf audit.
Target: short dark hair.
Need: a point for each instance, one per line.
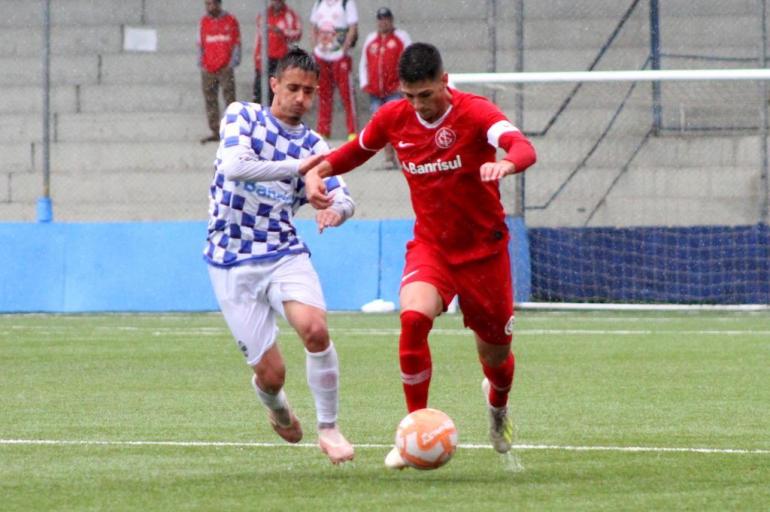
(420, 61)
(297, 58)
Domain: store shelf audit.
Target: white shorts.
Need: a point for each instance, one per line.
(250, 295)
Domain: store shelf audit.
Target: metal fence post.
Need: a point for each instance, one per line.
(655, 63)
(44, 208)
(764, 123)
(492, 40)
(265, 82)
(519, 208)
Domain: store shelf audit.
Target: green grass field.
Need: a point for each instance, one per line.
(154, 412)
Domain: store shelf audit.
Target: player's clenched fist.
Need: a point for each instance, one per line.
(492, 171)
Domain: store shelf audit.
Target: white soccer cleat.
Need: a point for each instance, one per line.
(393, 460)
(334, 445)
(500, 425)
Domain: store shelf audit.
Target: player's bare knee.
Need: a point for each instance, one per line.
(315, 336)
(270, 379)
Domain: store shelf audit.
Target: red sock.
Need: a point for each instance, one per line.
(414, 356)
(501, 380)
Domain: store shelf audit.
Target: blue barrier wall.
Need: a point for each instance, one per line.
(707, 264)
(61, 267)
(57, 267)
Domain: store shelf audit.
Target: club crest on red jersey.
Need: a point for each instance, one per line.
(445, 138)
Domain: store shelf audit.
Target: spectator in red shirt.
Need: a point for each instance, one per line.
(219, 52)
(378, 68)
(284, 27)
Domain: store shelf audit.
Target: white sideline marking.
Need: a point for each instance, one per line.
(585, 306)
(219, 444)
(591, 332)
(217, 332)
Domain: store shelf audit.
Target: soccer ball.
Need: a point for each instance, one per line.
(426, 439)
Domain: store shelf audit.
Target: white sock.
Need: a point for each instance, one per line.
(273, 402)
(323, 372)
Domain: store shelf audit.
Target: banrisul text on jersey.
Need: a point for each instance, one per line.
(436, 166)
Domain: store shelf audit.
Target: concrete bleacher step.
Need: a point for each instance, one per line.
(90, 159)
(130, 127)
(566, 9)
(625, 212)
(171, 68)
(644, 196)
(65, 40)
(120, 98)
(93, 159)
(21, 13)
(149, 68)
(177, 37)
(702, 150)
(91, 98)
(28, 99)
(180, 11)
(69, 69)
(18, 156)
(642, 180)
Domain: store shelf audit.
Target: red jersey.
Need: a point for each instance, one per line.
(455, 211)
(218, 37)
(378, 68)
(290, 27)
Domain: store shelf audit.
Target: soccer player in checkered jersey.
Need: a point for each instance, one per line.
(258, 265)
(446, 141)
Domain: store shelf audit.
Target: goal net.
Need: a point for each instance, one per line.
(650, 186)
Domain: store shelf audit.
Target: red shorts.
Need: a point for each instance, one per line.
(484, 288)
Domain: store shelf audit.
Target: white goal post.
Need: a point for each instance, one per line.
(716, 95)
(611, 76)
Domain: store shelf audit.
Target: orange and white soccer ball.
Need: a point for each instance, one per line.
(426, 439)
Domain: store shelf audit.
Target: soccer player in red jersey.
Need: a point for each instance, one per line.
(446, 142)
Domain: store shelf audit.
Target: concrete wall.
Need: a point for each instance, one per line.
(125, 126)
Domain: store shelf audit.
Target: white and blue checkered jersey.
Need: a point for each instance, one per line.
(257, 189)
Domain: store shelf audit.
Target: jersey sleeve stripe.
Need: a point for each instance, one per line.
(361, 141)
(497, 129)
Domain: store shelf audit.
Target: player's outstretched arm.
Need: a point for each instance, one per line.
(240, 162)
(342, 160)
(308, 163)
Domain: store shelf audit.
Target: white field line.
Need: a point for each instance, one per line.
(218, 332)
(226, 444)
(581, 306)
(590, 332)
